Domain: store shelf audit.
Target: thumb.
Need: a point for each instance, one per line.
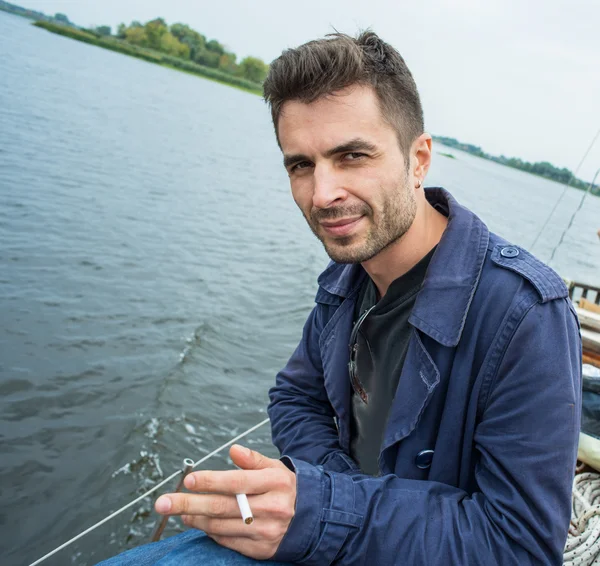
(250, 460)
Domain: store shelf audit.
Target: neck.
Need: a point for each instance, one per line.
(401, 256)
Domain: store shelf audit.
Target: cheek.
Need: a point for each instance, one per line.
(368, 185)
(302, 195)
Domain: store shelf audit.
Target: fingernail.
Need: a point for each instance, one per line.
(163, 504)
(244, 450)
(189, 481)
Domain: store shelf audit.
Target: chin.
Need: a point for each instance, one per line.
(346, 254)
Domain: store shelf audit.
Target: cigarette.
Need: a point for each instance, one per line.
(244, 506)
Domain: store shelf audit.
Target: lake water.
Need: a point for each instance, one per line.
(154, 276)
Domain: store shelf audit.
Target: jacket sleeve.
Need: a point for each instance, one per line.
(526, 444)
(302, 419)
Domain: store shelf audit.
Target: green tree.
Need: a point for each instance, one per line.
(253, 69)
(137, 36)
(155, 29)
(194, 40)
(104, 30)
(62, 18)
(227, 62)
(214, 46)
(171, 45)
(121, 31)
(207, 58)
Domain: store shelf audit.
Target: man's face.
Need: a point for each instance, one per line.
(347, 173)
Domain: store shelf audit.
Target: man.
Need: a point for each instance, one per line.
(430, 414)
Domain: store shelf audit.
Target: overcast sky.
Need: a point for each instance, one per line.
(519, 78)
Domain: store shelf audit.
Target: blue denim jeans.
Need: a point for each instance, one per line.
(186, 549)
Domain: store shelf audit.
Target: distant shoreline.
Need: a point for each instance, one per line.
(151, 56)
(539, 169)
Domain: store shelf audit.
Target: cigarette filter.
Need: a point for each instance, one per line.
(245, 510)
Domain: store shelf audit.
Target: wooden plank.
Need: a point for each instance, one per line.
(589, 319)
(593, 359)
(591, 340)
(589, 306)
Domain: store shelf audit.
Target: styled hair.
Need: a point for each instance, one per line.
(325, 66)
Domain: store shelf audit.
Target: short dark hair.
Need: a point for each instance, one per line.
(337, 61)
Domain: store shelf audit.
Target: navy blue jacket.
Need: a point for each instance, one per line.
(491, 384)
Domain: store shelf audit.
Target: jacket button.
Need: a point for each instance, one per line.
(423, 459)
(509, 251)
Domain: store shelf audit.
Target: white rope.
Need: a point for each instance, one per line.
(583, 540)
(157, 486)
(233, 440)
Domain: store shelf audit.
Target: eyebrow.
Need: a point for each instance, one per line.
(357, 144)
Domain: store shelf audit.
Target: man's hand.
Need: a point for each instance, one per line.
(271, 491)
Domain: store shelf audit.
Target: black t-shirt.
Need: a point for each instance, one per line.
(382, 342)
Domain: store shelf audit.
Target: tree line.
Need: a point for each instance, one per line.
(541, 168)
(34, 14)
(181, 41)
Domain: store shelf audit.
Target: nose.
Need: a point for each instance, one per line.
(327, 189)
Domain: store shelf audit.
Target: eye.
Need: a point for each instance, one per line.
(353, 156)
(300, 165)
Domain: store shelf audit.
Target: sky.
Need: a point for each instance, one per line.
(517, 78)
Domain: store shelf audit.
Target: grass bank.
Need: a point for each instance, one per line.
(152, 56)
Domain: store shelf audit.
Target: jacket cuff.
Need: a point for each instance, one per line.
(323, 518)
(340, 462)
(312, 491)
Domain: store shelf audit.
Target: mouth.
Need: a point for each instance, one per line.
(340, 227)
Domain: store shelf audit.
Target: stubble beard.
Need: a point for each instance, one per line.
(397, 214)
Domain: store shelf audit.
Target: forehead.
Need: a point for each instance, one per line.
(347, 114)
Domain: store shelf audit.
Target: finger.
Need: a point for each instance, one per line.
(238, 481)
(211, 505)
(250, 459)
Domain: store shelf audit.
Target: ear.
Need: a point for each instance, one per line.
(421, 156)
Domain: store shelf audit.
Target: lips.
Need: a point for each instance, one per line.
(341, 227)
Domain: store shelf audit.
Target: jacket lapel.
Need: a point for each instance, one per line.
(335, 356)
(418, 380)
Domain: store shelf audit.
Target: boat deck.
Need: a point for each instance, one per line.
(587, 301)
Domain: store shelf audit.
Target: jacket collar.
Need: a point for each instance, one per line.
(443, 302)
